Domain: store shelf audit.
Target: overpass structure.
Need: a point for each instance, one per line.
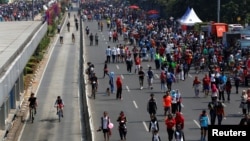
(18, 41)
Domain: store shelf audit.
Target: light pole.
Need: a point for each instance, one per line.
(32, 10)
(218, 11)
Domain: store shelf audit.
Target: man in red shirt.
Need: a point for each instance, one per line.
(119, 88)
(206, 83)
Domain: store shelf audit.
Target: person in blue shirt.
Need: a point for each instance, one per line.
(203, 124)
(223, 78)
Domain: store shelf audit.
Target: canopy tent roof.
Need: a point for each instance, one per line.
(185, 15)
(190, 19)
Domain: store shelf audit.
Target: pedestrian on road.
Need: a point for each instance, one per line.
(141, 74)
(170, 79)
(245, 120)
(212, 110)
(243, 104)
(196, 86)
(108, 54)
(129, 63)
(179, 134)
(119, 88)
(228, 88)
(91, 38)
(248, 101)
(112, 81)
(152, 105)
(68, 26)
(220, 112)
(167, 101)
(150, 75)
(163, 78)
(96, 39)
(137, 63)
(179, 119)
(203, 118)
(105, 69)
(179, 100)
(174, 102)
(156, 136)
(113, 51)
(206, 84)
(221, 91)
(170, 124)
(153, 124)
(215, 92)
(122, 120)
(105, 120)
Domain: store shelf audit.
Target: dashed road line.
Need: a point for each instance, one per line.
(189, 75)
(106, 42)
(157, 75)
(145, 125)
(182, 105)
(122, 76)
(135, 104)
(197, 123)
(128, 88)
(117, 67)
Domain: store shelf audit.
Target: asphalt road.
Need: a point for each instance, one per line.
(59, 79)
(135, 100)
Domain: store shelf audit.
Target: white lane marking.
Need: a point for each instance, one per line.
(148, 65)
(197, 123)
(145, 125)
(122, 76)
(182, 105)
(104, 39)
(189, 75)
(157, 75)
(106, 42)
(128, 88)
(117, 67)
(135, 104)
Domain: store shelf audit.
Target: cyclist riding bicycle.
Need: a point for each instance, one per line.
(33, 102)
(59, 104)
(94, 82)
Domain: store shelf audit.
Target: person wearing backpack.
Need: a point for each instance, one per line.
(220, 112)
(153, 124)
(122, 120)
(156, 136)
(163, 81)
(203, 118)
(152, 105)
(179, 134)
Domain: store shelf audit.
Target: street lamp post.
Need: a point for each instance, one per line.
(32, 10)
(218, 11)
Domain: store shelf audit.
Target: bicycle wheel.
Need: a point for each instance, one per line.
(59, 114)
(32, 115)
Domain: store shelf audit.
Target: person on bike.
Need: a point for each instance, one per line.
(33, 102)
(94, 83)
(152, 105)
(59, 104)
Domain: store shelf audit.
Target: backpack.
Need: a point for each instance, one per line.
(150, 74)
(154, 126)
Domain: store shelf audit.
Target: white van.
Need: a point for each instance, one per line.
(235, 27)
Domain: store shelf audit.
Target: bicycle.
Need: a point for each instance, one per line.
(94, 88)
(32, 111)
(60, 112)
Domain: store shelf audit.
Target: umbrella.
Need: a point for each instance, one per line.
(151, 12)
(133, 7)
(154, 16)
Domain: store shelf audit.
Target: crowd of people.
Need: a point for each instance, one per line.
(20, 10)
(174, 53)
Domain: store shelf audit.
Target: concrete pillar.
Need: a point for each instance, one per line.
(2, 117)
(17, 90)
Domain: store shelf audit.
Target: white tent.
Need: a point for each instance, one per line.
(190, 19)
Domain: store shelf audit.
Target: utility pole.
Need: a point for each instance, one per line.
(218, 11)
(32, 10)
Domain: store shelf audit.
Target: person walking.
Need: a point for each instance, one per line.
(203, 118)
(105, 69)
(137, 63)
(215, 91)
(174, 102)
(96, 39)
(153, 124)
(150, 75)
(156, 136)
(196, 86)
(122, 120)
(206, 84)
(179, 100)
(212, 110)
(105, 120)
(243, 102)
(221, 91)
(129, 63)
(141, 74)
(220, 112)
(179, 119)
(163, 81)
(119, 88)
(170, 124)
(170, 79)
(108, 54)
(111, 81)
(245, 120)
(228, 88)
(167, 101)
(91, 38)
(152, 105)
(179, 134)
